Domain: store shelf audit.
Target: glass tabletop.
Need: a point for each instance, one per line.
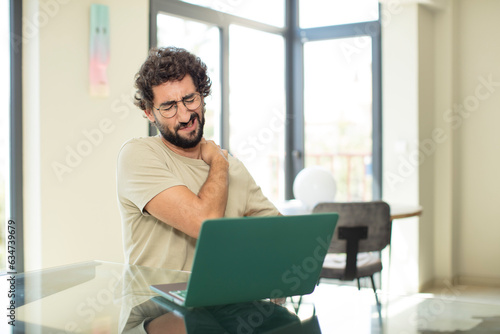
(102, 297)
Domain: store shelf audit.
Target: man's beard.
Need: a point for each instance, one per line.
(174, 138)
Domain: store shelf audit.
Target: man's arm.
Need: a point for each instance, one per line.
(185, 210)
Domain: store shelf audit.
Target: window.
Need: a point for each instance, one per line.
(342, 108)
(257, 106)
(292, 93)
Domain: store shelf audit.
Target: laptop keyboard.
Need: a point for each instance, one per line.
(179, 293)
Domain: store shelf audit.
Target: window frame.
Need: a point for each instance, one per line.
(15, 166)
(370, 29)
(294, 38)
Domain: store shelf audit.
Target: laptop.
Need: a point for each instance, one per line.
(251, 258)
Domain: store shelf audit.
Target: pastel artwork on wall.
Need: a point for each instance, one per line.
(99, 50)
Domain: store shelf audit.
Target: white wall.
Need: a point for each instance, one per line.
(466, 221)
(478, 217)
(71, 211)
(429, 138)
(445, 181)
(454, 48)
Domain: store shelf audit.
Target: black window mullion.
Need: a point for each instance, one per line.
(370, 28)
(224, 75)
(377, 113)
(16, 138)
(153, 42)
(294, 85)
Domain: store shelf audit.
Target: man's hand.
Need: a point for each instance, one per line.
(210, 151)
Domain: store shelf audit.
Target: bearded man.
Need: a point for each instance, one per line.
(170, 183)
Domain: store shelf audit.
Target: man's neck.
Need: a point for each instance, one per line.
(192, 153)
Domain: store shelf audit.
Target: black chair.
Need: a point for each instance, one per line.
(362, 228)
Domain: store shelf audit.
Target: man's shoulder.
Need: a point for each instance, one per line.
(141, 143)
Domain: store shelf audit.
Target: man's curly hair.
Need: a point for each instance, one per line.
(169, 64)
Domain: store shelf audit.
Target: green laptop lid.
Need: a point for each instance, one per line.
(251, 258)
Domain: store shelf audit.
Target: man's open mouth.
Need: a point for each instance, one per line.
(189, 126)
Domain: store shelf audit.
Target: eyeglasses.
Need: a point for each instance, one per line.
(191, 102)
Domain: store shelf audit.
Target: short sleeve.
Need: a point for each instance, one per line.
(257, 203)
(142, 173)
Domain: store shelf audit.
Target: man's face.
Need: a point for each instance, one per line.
(185, 128)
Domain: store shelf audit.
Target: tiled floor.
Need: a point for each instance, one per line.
(475, 294)
(444, 310)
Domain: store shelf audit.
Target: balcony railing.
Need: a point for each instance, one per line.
(352, 173)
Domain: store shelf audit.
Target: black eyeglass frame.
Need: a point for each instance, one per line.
(175, 104)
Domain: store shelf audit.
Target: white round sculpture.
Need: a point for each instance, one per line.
(314, 185)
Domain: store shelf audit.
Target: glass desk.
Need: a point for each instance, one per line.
(101, 297)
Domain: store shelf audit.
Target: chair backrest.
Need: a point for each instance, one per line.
(375, 215)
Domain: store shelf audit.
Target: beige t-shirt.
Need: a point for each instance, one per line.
(146, 167)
